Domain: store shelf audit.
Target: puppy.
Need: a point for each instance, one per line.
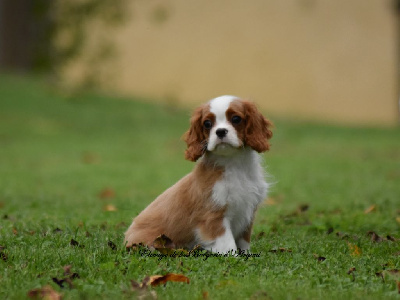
(214, 205)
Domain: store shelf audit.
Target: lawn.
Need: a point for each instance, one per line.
(75, 169)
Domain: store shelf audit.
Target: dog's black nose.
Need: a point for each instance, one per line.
(221, 132)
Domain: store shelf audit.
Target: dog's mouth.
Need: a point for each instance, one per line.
(223, 145)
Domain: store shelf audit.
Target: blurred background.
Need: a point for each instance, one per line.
(335, 61)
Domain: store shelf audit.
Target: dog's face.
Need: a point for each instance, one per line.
(224, 126)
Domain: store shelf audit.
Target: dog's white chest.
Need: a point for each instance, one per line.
(241, 189)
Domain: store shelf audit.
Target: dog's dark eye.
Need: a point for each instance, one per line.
(236, 120)
(207, 124)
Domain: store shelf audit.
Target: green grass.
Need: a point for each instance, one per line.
(58, 152)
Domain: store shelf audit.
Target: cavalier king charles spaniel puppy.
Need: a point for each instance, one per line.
(214, 205)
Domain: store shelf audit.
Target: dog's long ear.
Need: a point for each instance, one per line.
(194, 137)
(257, 132)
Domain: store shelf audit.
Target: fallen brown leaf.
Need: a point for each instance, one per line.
(67, 269)
(109, 207)
(90, 158)
(280, 250)
(3, 256)
(303, 207)
(380, 274)
(163, 242)
(142, 289)
(260, 235)
(370, 209)
(68, 279)
(15, 231)
(57, 230)
(60, 282)
(394, 272)
(351, 272)
(45, 292)
(260, 295)
(374, 237)
(76, 244)
(270, 201)
(300, 210)
(163, 279)
(121, 225)
(204, 294)
(67, 272)
(112, 245)
(342, 235)
(107, 193)
(319, 258)
(354, 250)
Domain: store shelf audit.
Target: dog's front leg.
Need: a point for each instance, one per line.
(225, 242)
(242, 244)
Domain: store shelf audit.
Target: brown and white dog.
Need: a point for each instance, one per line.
(214, 205)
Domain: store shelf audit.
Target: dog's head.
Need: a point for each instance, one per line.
(225, 125)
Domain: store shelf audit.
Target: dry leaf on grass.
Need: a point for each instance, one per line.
(370, 209)
(393, 272)
(109, 207)
(300, 210)
(90, 158)
(67, 272)
(270, 201)
(204, 294)
(112, 245)
(3, 256)
(155, 280)
(319, 258)
(45, 292)
(60, 282)
(57, 230)
(107, 193)
(375, 237)
(260, 295)
(351, 272)
(76, 244)
(68, 279)
(280, 250)
(164, 245)
(163, 242)
(260, 235)
(163, 279)
(354, 250)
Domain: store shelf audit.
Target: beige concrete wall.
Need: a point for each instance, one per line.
(331, 60)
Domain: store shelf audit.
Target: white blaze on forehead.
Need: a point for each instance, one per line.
(219, 106)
